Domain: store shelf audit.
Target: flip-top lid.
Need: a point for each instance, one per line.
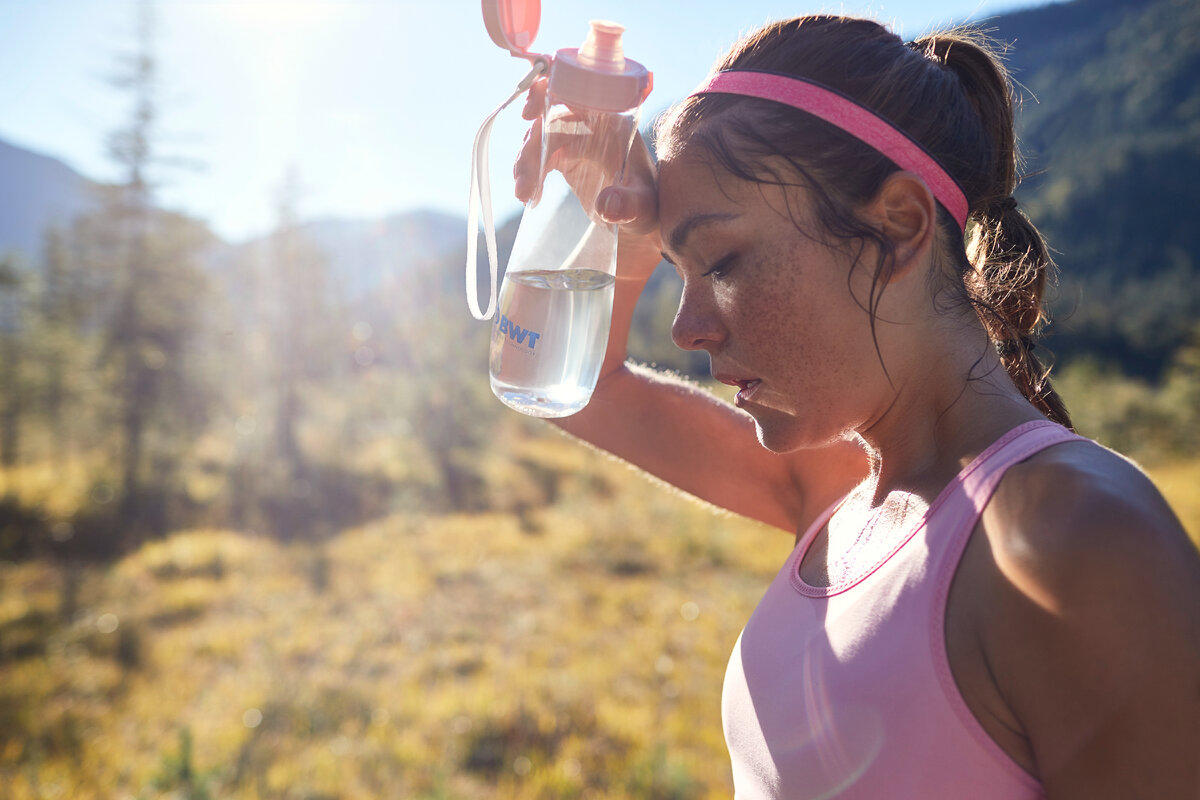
(513, 24)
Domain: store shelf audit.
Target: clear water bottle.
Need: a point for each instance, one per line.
(555, 303)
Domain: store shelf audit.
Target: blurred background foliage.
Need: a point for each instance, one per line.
(264, 532)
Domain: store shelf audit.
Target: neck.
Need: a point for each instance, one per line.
(944, 413)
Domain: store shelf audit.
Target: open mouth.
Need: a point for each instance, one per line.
(747, 388)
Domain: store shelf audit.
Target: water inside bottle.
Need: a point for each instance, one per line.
(549, 338)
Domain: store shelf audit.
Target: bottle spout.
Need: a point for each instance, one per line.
(602, 50)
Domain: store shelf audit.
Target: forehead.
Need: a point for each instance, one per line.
(695, 184)
(695, 170)
(693, 187)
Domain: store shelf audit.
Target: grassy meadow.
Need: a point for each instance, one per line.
(575, 649)
(1179, 481)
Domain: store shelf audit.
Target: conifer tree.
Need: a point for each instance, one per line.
(56, 311)
(148, 304)
(303, 321)
(12, 397)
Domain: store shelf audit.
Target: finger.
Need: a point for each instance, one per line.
(535, 101)
(529, 163)
(564, 152)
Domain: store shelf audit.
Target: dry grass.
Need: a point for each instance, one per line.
(572, 650)
(1180, 484)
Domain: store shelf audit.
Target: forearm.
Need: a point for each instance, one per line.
(685, 436)
(625, 297)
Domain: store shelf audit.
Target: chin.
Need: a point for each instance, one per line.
(786, 435)
(778, 439)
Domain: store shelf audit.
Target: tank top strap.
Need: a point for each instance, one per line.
(963, 501)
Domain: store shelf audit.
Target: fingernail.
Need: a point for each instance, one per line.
(610, 204)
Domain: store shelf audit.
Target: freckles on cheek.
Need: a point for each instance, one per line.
(783, 342)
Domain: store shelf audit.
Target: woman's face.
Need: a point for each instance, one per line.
(771, 305)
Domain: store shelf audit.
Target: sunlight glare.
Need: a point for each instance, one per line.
(272, 13)
(282, 33)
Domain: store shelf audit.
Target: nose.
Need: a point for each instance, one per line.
(697, 325)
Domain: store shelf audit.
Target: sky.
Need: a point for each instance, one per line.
(371, 104)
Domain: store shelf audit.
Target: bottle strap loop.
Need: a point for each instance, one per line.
(480, 203)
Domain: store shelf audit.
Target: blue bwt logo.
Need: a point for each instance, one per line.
(518, 334)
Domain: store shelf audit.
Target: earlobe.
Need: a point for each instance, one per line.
(906, 213)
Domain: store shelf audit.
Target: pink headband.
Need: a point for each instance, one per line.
(856, 120)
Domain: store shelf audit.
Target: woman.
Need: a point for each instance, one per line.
(980, 603)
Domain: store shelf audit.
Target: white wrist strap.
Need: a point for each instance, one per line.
(481, 198)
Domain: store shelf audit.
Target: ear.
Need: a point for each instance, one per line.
(906, 213)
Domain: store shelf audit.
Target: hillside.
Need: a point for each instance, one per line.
(1111, 133)
(367, 254)
(364, 257)
(36, 191)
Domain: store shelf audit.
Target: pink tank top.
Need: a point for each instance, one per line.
(845, 691)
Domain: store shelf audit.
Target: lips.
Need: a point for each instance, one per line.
(747, 388)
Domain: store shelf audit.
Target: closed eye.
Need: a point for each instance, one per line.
(721, 268)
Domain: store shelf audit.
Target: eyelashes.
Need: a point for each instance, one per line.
(721, 268)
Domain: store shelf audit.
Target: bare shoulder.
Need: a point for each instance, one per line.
(1093, 624)
(1077, 511)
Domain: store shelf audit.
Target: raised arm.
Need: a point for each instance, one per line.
(659, 422)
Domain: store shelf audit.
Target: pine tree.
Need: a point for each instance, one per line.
(55, 312)
(303, 322)
(148, 306)
(12, 281)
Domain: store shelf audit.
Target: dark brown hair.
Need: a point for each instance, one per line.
(947, 91)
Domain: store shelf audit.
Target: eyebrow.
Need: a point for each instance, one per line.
(683, 230)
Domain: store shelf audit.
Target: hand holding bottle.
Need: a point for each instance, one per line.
(556, 299)
(630, 202)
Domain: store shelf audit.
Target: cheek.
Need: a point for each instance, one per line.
(805, 333)
(779, 312)
(779, 324)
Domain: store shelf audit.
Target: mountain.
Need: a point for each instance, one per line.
(366, 254)
(35, 192)
(1111, 133)
(363, 255)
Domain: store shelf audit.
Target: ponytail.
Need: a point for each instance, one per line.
(1007, 261)
(1009, 268)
